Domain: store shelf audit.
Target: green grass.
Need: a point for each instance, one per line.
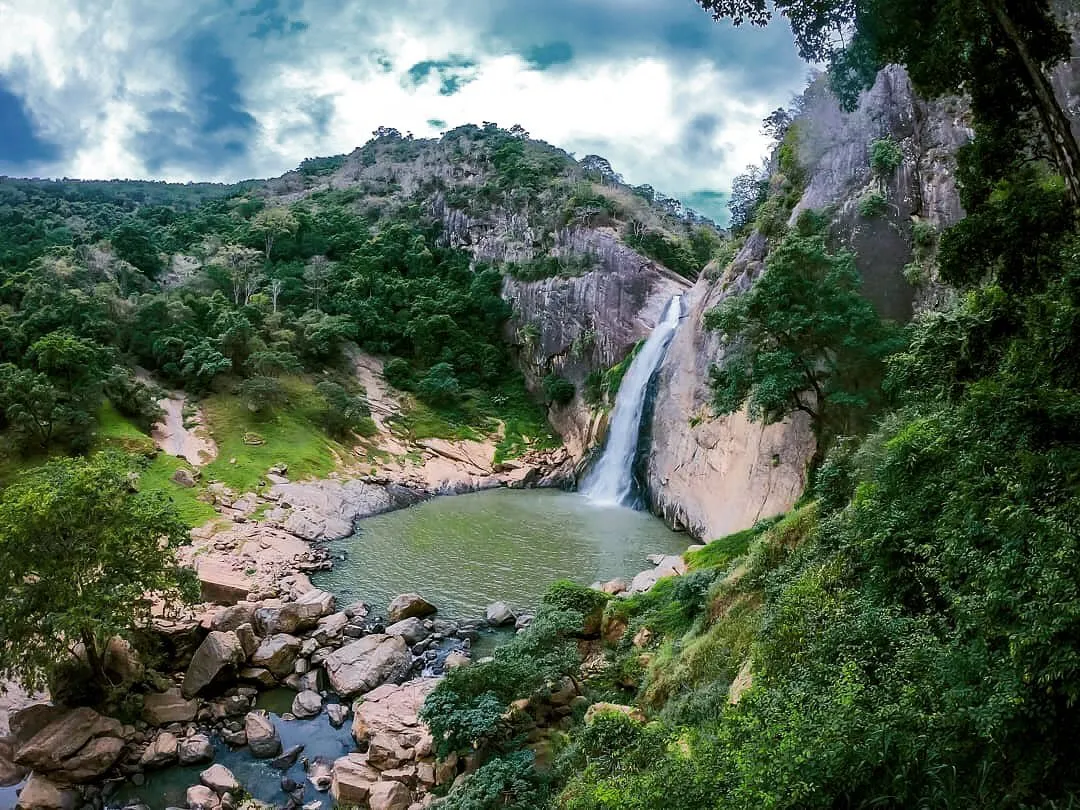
(157, 477)
(290, 435)
(722, 551)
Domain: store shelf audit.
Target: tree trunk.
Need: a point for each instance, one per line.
(93, 658)
(1056, 125)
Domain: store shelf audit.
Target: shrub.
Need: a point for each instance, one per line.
(439, 386)
(873, 205)
(342, 412)
(885, 157)
(558, 389)
(261, 394)
(399, 374)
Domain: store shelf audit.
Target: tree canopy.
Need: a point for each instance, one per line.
(82, 556)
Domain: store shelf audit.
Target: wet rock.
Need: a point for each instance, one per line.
(411, 629)
(367, 663)
(615, 586)
(195, 750)
(307, 704)
(10, 773)
(219, 779)
(163, 708)
(305, 612)
(214, 663)
(287, 759)
(389, 796)
(321, 774)
(357, 610)
(337, 713)
(161, 752)
(200, 797)
(408, 605)
(277, 654)
(499, 614)
(262, 737)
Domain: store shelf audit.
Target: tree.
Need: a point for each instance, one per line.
(134, 243)
(342, 412)
(242, 266)
(748, 191)
(316, 275)
(439, 386)
(999, 54)
(270, 223)
(801, 339)
(82, 557)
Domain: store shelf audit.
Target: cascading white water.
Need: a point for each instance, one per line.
(611, 480)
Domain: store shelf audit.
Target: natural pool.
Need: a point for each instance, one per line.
(461, 553)
(464, 552)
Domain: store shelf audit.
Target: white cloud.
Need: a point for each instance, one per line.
(92, 74)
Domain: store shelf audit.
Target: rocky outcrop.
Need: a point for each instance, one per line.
(69, 747)
(573, 325)
(214, 664)
(715, 475)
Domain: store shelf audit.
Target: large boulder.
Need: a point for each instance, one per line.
(163, 708)
(499, 614)
(389, 796)
(411, 629)
(262, 737)
(305, 612)
(232, 617)
(368, 663)
(41, 793)
(214, 663)
(307, 704)
(408, 605)
(161, 752)
(330, 629)
(392, 712)
(278, 654)
(353, 780)
(76, 747)
(195, 750)
(200, 797)
(219, 779)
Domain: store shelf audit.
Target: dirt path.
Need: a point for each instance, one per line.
(177, 440)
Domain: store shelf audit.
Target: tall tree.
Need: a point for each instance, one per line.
(270, 223)
(801, 339)
(82, 557)
(998, 52)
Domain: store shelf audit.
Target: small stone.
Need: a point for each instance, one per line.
(287, 759)
(337, 713)
(195, 750)
(200, 797)
(307, 704)
(262, 737)
(499, 614)
(456, 660)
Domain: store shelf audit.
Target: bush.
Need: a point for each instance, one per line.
(873, 205)
(504, 783)
(342, 412)
(439, 386)
(261, 394)
(398, 373)
(885, 157)
(558, 390)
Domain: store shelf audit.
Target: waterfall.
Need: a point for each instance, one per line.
(611, 480)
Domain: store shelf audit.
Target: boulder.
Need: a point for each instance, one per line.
(249, 642)
(615, 586)
(408, 605)
(337, 713)
(321, 774)
(613, 708)
(330, 629)
(368, 663)
(669, 566)
(305, 612)
(411, 629)
(77, 746)
(307, 704)
(258, 676)
(10, 773)
(277, 654)
(499, 614)
(353, 779)
(41, 793)
(163, 708)
(389, 796)
(219, 779)
(200, 797)
(221, 584)
(456, 660)
(195, 750)
(287, 758)
(161, 752)
(262, 737)
(392, 711)
(214, 663)
(230, 618)
(184, 477)
(122, 662)
(25, 723)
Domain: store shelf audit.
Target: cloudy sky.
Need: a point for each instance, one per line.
(232, 89)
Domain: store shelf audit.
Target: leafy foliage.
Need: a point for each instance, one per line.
(81, 556)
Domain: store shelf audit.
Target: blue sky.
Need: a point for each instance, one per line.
(232, 89)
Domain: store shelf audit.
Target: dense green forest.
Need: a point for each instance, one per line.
(907, 636)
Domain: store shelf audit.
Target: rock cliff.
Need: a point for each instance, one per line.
(715, 475)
